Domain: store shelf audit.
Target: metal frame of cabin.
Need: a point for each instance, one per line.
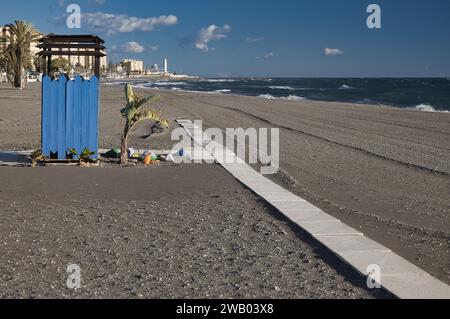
(63, 45)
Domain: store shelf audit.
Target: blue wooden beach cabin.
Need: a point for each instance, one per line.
(70, 107)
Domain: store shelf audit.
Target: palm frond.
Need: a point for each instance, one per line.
(129, 94)
(136, 106)
(150, 114)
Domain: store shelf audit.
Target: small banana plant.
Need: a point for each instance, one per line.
(84, 158)
(135, 112)
(36, 157)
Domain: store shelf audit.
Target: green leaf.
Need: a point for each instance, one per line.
(129, 94)
(73, 152)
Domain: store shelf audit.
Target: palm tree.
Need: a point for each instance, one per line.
(2, 55)
(134, 112)
(17, 54)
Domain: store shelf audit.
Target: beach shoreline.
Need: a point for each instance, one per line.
(381, 170)
(407, 93)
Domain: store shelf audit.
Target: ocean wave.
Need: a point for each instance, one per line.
(191, 91)
(144, 86)
(426, 108)
(167, 83)
(294, 98)
(267, 97)
(223, 91)
(346, 87)
(220, 80)
(281, 88)
(288, 98)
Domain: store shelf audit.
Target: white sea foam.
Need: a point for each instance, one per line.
(167, 83)
(220, 80)
(346, 87)
(268, 97)
(288, 98)
(223, 91)
(281, 88)
(294, 98)
(426, 108)
(144, 86)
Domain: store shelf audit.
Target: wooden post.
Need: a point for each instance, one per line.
(97, 61)
(97, 67)
(49, 64)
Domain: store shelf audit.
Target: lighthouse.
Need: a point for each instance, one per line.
(166, 66)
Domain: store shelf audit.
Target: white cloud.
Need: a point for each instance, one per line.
(254, 40)
(154, 48)
(211, 33)
(329, 51)
(270, 55)
(113, 23)
(132, 47)
(97, 2)
(267, 56)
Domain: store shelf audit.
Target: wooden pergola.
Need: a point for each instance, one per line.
(63, 45)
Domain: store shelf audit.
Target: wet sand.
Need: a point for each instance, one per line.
(382, 170)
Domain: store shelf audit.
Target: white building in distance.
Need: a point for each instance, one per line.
(133, 67)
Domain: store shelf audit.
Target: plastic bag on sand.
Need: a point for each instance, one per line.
(132, 153)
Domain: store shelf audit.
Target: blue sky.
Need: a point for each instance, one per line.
(275, 38)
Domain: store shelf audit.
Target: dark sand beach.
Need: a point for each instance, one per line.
(382, 170)
(172, 231)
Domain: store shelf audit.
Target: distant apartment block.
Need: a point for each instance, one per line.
(86, 62)
(133, 67)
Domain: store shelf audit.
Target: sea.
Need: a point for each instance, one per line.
(423, 94)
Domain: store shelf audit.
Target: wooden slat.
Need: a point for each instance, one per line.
(70, 120)
(85, 115)
(53, 38)
(71, 53)
(61, 137)
(77, 102)
(70, 46)
(46, 115)
(93, 115)
(54, 117)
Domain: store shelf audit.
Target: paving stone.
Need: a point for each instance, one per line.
(289, 205)
(344, 243)
(288, 197)
(329, 228)
(299, 216)
(389, 262)
(413, 286)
